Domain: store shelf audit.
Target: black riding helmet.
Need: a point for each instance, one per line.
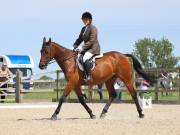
(86, 15)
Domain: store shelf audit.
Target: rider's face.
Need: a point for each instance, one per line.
(86, 21)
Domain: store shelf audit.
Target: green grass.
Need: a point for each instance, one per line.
(172, 96)
(39, 95)
(48, 96)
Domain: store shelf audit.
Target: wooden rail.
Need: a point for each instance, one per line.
(156, 93)
(19, 78)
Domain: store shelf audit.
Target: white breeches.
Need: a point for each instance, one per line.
(87, 56)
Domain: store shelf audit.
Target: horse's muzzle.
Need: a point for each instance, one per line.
(42, 66)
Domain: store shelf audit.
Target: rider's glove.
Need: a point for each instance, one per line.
(75, 48)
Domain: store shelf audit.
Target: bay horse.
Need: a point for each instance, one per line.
(111, 66)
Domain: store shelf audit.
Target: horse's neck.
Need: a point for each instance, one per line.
(62, 53)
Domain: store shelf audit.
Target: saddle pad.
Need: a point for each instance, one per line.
(93, 59)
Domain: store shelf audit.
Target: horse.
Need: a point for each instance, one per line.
(111, 66)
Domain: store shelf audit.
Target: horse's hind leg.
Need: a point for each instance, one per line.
(125, 74)
(82, 101)
(133, 93)
(112, 95)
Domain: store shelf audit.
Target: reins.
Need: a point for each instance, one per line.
(64, 59)
(75, 53)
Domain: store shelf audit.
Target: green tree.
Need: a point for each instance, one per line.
(156, 53)
(45, 77)
(143, 50)
(162, 54)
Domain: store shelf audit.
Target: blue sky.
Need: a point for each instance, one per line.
(23, 23)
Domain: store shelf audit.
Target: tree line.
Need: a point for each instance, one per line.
(156, 53)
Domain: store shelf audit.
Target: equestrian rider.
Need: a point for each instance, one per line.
(91, 45)
(5, 74)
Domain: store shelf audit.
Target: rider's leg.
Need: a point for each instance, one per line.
(2, 98)
(87, 65)
(2, 92)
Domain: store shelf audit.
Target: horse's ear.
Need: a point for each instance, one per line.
(49, 40)
(44, 40)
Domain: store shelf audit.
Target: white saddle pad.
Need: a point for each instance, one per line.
(93, 61)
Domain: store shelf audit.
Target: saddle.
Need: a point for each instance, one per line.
(92, 60)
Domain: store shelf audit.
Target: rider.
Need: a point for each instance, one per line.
(91, 45)
(5, 74)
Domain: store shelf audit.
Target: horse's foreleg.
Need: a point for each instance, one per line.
(61, 100)
(112, 95)
(67, 90)
(82, 101)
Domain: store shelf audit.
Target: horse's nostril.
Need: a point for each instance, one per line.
(41, 65)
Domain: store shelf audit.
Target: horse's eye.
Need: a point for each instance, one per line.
(46, 52)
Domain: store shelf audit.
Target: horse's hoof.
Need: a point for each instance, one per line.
(141, 116)
(54, 117)
(103, 115)
(93, 116)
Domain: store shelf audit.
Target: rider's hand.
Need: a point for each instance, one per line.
(75, 49)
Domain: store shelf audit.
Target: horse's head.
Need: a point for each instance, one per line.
(46, 54)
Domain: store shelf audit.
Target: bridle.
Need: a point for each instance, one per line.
(49, 60)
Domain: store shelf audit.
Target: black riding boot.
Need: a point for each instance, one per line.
(87, 69)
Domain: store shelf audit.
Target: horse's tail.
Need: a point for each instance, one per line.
(137, 66)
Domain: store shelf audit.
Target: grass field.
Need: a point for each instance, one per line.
(49, 95)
